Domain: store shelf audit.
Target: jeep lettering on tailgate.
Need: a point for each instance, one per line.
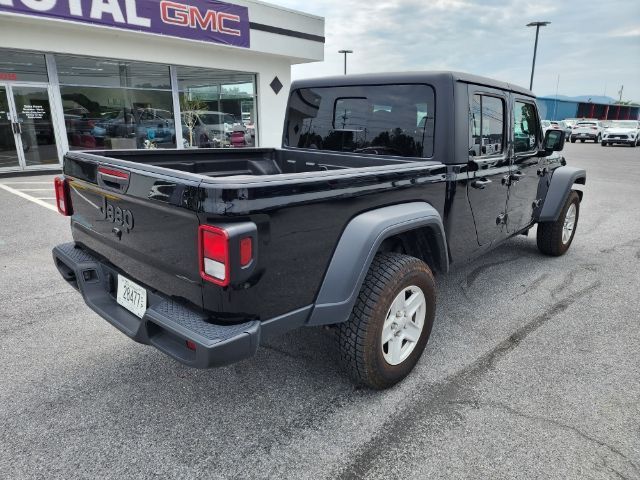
(120, 216)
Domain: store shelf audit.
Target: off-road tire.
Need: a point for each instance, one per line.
(549, 235)
(360, 337)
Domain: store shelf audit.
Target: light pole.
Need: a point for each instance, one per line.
(345, 58)
(535, 48)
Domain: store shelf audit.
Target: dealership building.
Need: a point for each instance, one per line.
(133, 74)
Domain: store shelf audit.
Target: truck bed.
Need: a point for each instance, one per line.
(240, 162)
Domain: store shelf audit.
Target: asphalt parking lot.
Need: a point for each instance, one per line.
(532, 370)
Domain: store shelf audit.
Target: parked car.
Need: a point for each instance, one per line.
(566, 128)
(551, 124)
(587, 130)
(622, 131)
(204, 128)
(206, 254)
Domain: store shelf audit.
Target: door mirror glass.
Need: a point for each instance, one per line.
(553, 141)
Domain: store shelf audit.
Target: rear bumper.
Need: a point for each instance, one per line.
(166, 324)
(584, 136)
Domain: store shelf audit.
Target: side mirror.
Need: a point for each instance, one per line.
(553, 142)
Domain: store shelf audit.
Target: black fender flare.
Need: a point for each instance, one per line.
(358, 246)
(560, 186)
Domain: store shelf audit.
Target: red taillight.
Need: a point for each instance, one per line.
(213, 245)
(63, 196)
(113, 173)
(246, 251)
(191, 345)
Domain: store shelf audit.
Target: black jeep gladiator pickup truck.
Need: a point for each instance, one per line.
(382, 181)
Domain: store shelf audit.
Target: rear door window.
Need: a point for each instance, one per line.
(393, 120)
(486, 126)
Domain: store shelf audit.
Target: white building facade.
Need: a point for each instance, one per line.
(133, 74)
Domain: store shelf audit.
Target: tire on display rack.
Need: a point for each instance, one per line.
(391, 321)
(554, 238)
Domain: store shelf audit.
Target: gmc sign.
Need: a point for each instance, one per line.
(204, 20)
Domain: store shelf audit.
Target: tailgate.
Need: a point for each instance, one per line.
(143, 222)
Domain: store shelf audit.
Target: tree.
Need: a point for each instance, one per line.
(189, 109)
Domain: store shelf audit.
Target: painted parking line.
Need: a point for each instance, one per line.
(37, 201)
(36, 189)
(23, 182)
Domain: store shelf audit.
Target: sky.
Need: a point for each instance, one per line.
(590, 48)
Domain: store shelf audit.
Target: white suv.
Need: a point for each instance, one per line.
(622, 131)
(587, 130)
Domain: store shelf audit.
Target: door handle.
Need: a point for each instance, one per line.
(480, 183)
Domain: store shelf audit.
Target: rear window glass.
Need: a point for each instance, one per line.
(381, 120)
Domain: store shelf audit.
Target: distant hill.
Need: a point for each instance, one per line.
(584, 98)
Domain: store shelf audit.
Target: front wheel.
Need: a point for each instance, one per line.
(604, 144)
(573, 140)
(598, 140)
(554, 238)
(391, 321)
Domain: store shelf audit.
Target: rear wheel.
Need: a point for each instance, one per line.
(573, 140)
(582, 140)
(554, 238)
(391, 321)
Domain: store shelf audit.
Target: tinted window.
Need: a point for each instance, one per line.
(22, 66)
(525, 133)
(486, 125)
(94, 72)
(381, 120)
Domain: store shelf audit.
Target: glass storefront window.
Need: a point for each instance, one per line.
(22, 67)
(218, 108)
(101, 72)
(112, 104)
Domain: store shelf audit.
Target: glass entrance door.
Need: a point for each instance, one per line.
(8, 150)
(27, 135)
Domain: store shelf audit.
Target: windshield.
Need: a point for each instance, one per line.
(625, 124)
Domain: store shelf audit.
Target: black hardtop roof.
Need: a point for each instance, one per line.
(407, 77)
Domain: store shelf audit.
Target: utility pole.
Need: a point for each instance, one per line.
(620, 93)
(555, 105)
(345, 52)
(535, 47)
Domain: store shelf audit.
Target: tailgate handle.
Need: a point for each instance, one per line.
(113, 178)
